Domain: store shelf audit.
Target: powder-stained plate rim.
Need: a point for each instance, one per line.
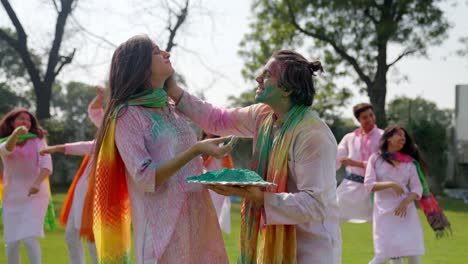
(261, 184)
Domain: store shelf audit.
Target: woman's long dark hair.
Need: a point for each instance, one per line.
(130, 74)
(6, 124)
(295, 74)
(410, 148)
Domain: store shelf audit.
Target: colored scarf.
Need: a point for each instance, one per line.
(49, 219)
(106, 214)
(428, 203)
(71, 192)
(20, 139)
(278, 243)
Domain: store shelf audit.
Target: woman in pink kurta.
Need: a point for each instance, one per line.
(172, 221)
(310, 201)
(26, 193)
(353, 152)
(397, 229)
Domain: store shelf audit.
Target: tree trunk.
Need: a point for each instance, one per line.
(378, 90)
(43, 97)
(377, 94)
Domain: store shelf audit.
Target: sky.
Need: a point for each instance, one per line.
(208, 45)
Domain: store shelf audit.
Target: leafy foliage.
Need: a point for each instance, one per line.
(351, 37)
(429, 126)
(70, 123)
(10, 99)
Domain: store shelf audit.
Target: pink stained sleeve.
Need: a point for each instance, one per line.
(241, 122)
(96, 115)
(79, 148)
(313, 169)
(45, 161)
(342, 151)
(370, 177)
(365, 164)
(130, 141)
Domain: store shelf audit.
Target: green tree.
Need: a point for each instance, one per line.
(10, 99)
(70, 123)
(12, 75)
(429, 126)
(244, 99)
(463, 50)
(348, 35)
(12, 71)
(41, 79)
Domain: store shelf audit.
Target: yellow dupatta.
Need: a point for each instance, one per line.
(106, 214)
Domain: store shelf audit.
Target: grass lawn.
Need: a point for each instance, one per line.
(357, 239)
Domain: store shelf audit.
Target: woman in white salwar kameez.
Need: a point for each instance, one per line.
(392, 175)
(26, 193)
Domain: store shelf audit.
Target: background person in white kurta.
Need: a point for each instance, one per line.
(221, 203)
(353, 152)
(73, 224)
(26, 193)
(392, 176)
(72, 232)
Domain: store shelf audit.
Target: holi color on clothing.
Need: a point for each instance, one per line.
(171, 221)
(394, 236)
(309, 202)
(25, 216)
(353, 199)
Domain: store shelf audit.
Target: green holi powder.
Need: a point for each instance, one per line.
(159, 126)
(228, 175)
(228, 140)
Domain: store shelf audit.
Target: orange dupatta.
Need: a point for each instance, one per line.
(71, 192)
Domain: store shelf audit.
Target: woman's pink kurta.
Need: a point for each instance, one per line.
(174, 222)
(394, 236)
(23, 216)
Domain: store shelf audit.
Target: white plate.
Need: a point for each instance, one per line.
(260, 184)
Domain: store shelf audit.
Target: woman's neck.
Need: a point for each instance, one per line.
(155, 83)
(392, 149)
